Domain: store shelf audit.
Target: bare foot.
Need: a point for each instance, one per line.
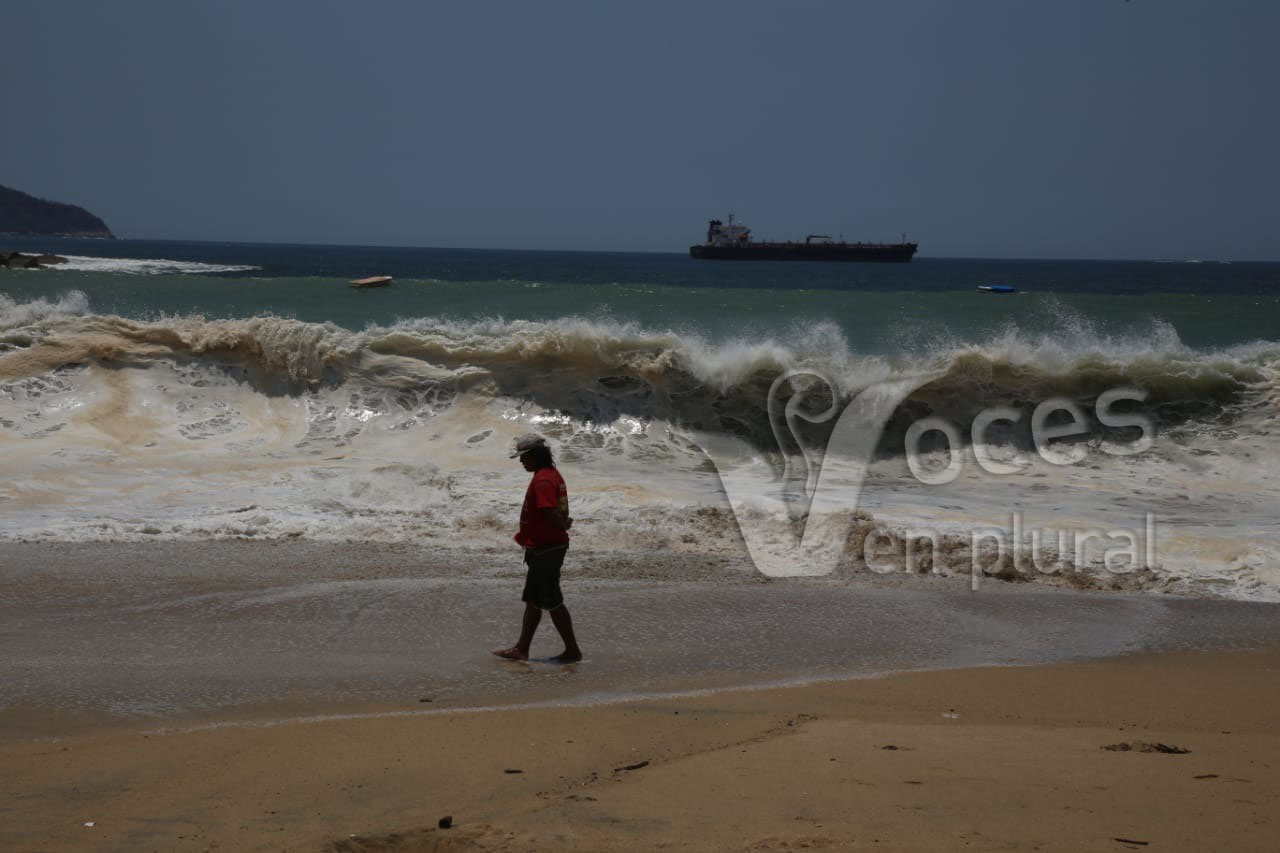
(511, 654)
(568, 656)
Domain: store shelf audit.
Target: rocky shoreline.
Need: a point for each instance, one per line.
(19, 261)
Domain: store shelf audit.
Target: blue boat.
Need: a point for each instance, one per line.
(997, 288)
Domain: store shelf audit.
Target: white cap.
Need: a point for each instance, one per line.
(527, 442)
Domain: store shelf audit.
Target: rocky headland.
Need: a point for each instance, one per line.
(25, 214)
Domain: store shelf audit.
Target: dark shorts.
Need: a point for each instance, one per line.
(542, 582)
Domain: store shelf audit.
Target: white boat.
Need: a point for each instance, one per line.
(372, 281)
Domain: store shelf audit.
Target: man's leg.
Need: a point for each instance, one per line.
(564, 624)
(520, 651)
(532, 616)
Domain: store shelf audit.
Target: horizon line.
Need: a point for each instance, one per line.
(1164, 260)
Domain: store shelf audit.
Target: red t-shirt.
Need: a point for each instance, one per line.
(546, 491)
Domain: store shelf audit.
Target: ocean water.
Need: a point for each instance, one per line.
(162, 390)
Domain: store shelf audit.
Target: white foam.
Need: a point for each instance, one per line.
(15, 315)
(148, 266)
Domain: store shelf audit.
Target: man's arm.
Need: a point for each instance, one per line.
(561, 520)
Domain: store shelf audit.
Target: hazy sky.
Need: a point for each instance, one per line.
(1080, 128)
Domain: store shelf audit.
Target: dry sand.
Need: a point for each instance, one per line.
(991, 758)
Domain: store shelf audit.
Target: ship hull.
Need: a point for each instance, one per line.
(867, 252)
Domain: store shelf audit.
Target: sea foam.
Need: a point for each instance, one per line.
(148, 266)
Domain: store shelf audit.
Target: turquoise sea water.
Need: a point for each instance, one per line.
(879, 308)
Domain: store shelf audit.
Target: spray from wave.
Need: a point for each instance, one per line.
(36, 314)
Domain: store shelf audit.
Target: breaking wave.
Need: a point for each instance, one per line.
(148, 266)
(596, 370)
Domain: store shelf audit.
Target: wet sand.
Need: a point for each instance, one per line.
(164, 630)
(247, 695)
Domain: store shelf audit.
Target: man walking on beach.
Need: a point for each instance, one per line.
(544, 533)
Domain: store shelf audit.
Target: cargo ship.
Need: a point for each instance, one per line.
(733, 242)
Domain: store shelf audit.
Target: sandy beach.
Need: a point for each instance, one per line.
(255, 696)
(991, 758)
